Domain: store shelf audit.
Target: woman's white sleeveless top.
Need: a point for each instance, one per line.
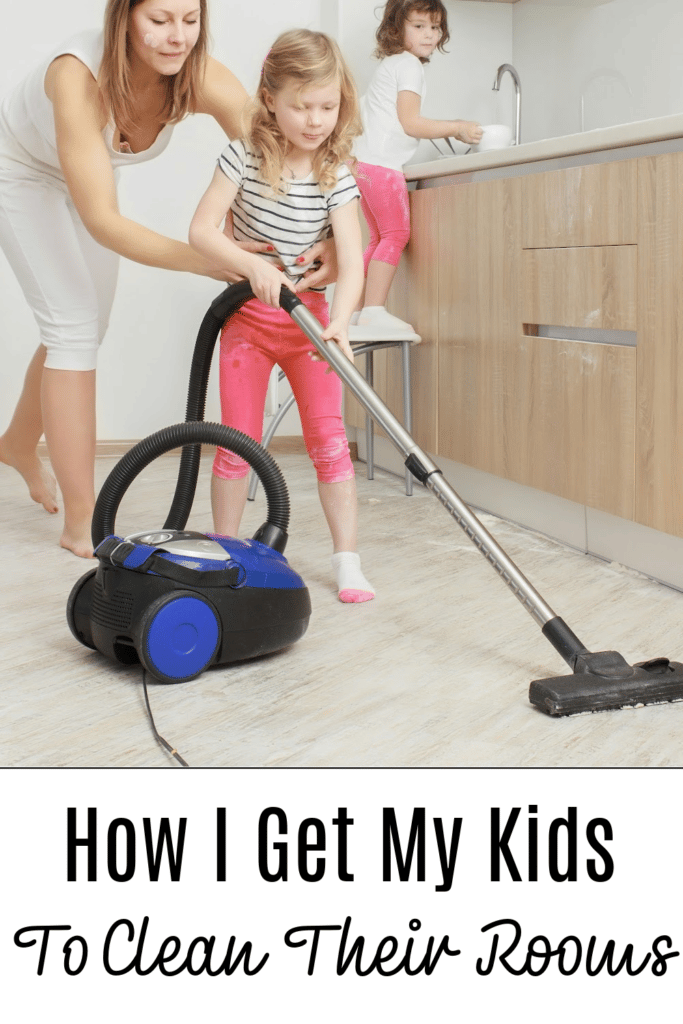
(27, 126)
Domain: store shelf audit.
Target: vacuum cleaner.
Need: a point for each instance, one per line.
(174, 600)
(600, 681)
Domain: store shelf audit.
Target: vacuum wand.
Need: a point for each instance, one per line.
(427, 472)
(600, 681)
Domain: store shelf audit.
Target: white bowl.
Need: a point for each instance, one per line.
(496, 136)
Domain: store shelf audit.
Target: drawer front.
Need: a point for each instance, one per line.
(593, 287)
(590, 205)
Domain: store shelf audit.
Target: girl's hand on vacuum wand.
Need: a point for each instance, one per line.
(337, 333)
(266, 282)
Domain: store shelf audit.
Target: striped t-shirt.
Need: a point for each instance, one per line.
(293, 222)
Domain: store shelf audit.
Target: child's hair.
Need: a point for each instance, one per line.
(182, 89)
(390, 33)
(310, 59)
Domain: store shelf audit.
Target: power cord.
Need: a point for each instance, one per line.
(172, 750)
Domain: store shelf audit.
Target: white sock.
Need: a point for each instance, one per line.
(351, 583)
(377, 316)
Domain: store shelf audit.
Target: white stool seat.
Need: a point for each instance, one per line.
(365, 335)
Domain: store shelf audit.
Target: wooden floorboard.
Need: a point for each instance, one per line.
(434, 672)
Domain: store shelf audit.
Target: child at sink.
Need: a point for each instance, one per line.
(409, 33)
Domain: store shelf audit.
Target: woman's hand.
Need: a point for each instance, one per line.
(232, 277)
(318, 277)
(246, 245)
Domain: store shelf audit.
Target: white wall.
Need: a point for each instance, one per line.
(622, 56)
(145, 359)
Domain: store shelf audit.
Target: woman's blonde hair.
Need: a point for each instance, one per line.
(309, 59)
(182, 90)
(390, 33)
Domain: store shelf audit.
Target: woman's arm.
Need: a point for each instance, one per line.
(209, 239)
(223, 96)
(418, 127)
(83, 156)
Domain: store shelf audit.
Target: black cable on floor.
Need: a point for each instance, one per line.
(160, 738)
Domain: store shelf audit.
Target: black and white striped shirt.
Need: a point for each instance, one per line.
(290, 222)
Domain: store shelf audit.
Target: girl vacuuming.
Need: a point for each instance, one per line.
(287, 182)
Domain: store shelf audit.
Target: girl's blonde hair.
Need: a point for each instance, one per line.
(309, 59)
(182, 90)
(390, 33)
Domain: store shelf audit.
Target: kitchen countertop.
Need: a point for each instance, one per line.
(617, 136)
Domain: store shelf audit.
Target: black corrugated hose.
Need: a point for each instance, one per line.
(150, 448)
(227, 303)
(191, 435)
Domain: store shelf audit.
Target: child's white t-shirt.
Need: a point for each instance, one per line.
(384, 141)
(292, 222)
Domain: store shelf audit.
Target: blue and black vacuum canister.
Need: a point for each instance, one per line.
(179, 602)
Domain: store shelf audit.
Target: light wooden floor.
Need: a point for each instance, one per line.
(434, 672)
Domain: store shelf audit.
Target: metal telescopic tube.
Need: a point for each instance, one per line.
(476, 531)
(525, 593)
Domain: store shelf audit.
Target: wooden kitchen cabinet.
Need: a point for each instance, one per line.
(598, 246)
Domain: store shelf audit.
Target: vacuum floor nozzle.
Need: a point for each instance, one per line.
(605, 681)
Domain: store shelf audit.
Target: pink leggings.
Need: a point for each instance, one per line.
(384, 202)
(252, 341)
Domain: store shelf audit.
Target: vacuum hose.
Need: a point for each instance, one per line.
(191, 435)
(227, 303)
(273, 532)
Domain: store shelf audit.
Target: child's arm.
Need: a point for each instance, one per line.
(207, 237)
(347, 291)
(408, 106)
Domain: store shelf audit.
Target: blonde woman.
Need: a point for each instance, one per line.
(287, 181)
(101, 101)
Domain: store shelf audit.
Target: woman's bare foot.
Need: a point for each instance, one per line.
(76, 537)
(41, 483)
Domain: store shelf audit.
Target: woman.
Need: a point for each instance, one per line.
(99, 102)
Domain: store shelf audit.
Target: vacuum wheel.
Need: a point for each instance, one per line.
(180, 636)
(78, 609)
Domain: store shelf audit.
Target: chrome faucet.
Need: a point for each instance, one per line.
(518, 96)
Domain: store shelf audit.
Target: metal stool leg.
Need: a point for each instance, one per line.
(407, 405)
(369, 422)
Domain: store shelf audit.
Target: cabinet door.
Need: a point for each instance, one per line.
(570, 420)
(593, 286)
(591, 205)
(479, 318)
(659, 448)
